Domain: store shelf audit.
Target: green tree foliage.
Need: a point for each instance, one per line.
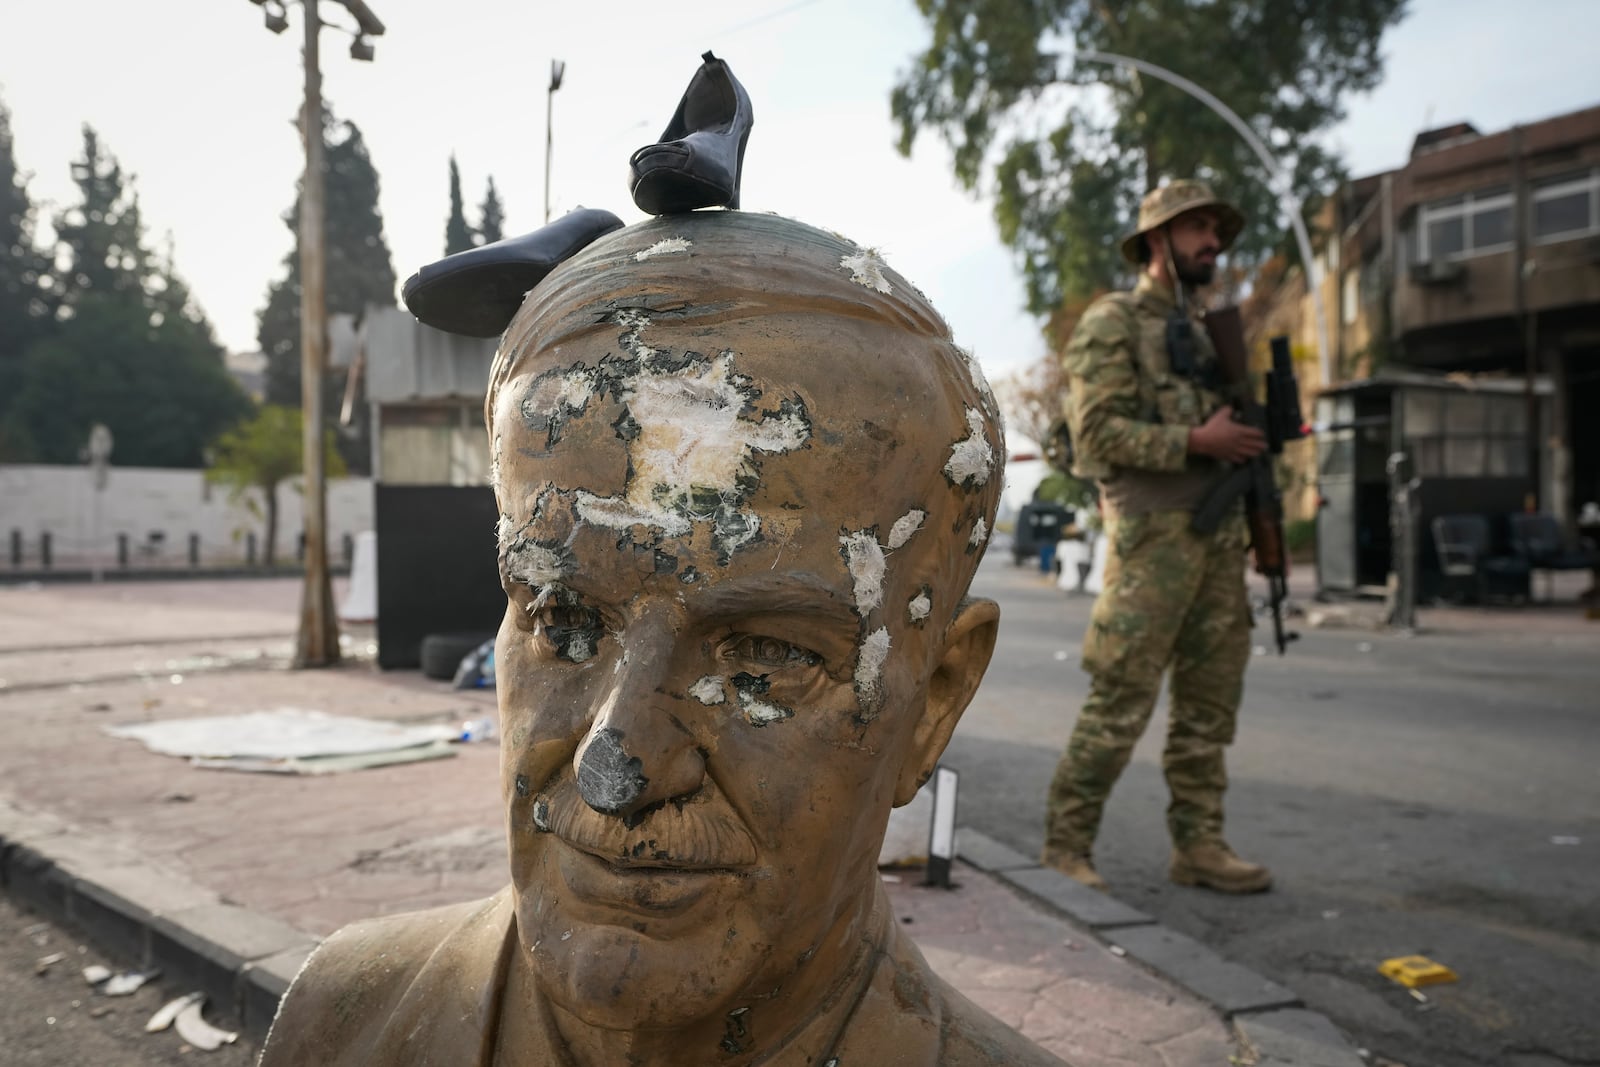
(999, 82)
(128, 347)
(359, 274)
(160, 386)
(26, 306)
(101, 237)
(491, 216)
(457, 234)
(259, 453)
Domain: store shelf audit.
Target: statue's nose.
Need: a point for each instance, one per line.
(637, 752)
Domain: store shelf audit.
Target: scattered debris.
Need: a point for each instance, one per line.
(1118, 950)
(44, 963)
(102, 706)
(1414, 971)
(169, 1011)
(1062, 654)
(1565, 839)
(1331, 913)
(1364, 646)
(892, 879)
(199, 1033)
(122, 985)
(178, 798)
(94, 974)
(100, 1011)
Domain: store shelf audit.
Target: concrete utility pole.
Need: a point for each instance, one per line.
(318, 641)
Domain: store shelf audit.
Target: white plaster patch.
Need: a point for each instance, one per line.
(503, 529)
(904, 527)
(693, 444)
(863, 557)
(869, 663)
(633, 323)
(663, 247)
(709, 690)
(980, 533)
(979, 381)
(919, 607)
(760, 713)
(866, 268)
(971, 459)
(534, 565)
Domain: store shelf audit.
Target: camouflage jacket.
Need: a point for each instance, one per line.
(1125, 408)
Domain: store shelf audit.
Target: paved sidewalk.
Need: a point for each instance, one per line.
(225, 880)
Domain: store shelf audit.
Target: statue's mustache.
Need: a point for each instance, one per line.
(691, 833)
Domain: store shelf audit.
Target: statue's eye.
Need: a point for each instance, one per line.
(772, 652)
(568, 631)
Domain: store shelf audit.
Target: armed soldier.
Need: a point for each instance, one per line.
(1152, 424)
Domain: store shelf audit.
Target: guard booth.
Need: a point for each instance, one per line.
(1467, 440)
(434, 513)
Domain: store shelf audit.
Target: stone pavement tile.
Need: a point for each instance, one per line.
(265, 842)
(1052, 980)
(79, 615)
(1295, 1037)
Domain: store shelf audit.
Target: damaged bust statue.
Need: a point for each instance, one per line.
(744, 479)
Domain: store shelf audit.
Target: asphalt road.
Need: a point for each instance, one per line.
(1436, 795)
(51, 1017)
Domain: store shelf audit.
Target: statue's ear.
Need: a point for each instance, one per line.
(968, 644)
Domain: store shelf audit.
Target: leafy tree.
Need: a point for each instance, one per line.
(102, 237)
(159, 384)
(457, 234)
(259, 453)
(129, 347)
(491, 216)
(359, 274)
(25, 303)
(999, 82)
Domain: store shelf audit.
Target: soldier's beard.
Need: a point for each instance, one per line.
(1191, 272)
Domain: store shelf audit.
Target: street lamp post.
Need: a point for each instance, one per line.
(1283, 190)
(318, 642)
(558, 68)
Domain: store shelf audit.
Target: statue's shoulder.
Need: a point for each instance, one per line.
(361, 982)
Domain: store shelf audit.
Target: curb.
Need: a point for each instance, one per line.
(1267, 1018)
(243, 961)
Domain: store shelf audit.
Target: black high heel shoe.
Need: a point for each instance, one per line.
(478, 292)
(700, 157)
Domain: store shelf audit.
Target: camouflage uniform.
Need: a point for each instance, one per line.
(1171, 597)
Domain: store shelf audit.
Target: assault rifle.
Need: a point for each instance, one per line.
(1280, 420)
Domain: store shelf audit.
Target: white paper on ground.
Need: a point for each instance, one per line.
(283, 738)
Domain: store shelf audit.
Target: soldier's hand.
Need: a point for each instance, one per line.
(1222, 438)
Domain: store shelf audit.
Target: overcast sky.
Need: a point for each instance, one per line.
(196, 98)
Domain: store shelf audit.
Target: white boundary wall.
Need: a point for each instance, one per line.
(137, 501)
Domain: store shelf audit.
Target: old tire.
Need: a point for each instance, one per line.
(442, 653)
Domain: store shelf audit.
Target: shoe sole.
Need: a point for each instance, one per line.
(1189, 878)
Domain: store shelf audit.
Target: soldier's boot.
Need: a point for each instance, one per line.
(1075, 865)
(1214, 865)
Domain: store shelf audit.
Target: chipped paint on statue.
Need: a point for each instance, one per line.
(866, 268)
(665, 247)
(972, 457)
(904, 527)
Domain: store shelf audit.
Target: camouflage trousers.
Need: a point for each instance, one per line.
(1175, 599)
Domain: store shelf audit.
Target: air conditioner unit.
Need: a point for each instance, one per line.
(1438, 272)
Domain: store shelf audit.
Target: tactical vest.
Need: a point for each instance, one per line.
(1164, 397)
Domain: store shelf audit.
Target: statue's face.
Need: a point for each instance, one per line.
(722, 549)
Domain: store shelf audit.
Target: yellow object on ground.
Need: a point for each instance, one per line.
(1414, 971)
